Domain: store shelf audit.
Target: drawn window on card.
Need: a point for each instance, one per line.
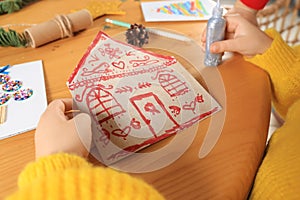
(172, 85)
(103, 105)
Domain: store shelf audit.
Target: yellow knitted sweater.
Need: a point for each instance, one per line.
(70, 177)
(279, 174)
(282, 63)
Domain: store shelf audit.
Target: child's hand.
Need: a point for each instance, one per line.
(59, 132)
(246, 12)
(247, 38)
(238, 9)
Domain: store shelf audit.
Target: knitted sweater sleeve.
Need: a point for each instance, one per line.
(279, 174)
(282, 63)
(46, 166)
(69, 177)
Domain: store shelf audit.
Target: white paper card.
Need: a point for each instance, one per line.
(178, 10)
(22, 116)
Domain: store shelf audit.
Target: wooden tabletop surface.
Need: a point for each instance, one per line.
(243, 91)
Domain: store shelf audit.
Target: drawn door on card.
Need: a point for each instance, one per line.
(153, 112)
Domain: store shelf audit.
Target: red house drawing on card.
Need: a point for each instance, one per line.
(136, 98)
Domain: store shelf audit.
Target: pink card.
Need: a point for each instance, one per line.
(135, 97)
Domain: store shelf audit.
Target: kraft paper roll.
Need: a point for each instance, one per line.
(43, 33)
(60, 27)
(80, 20)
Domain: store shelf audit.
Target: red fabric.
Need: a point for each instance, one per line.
(255, 4)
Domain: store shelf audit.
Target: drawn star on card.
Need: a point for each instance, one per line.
(101, 8)
(135, 97)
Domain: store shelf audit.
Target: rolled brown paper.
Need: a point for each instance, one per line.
(43, 33)
(59, 27)
(80, 20)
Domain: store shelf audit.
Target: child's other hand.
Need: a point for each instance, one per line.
(238, 9)
(59, 132)
(246, 12)
(247, 38)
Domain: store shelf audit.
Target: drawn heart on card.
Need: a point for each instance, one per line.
(122, 132)
(190, 106)
(135, 123)
(120, 64)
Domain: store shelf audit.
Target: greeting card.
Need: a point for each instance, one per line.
(22, 98)
(135, 97)
(177, 10)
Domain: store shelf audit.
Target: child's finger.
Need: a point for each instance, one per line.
(225, 45)
(203, 35)
(58, 107)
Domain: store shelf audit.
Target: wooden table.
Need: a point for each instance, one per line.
(227, 172)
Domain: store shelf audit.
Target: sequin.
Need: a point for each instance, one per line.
(12, 86)
(4, 98)
(4, 78)
(23, 94)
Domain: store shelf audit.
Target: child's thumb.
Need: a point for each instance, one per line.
(222, 46)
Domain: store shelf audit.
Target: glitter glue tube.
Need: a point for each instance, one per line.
(215, 32)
